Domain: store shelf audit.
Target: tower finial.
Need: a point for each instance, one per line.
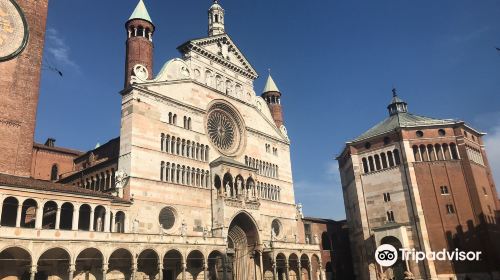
(397, 104)
(215, 19)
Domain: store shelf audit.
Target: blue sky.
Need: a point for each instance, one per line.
(334, 61)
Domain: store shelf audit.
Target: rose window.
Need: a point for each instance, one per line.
(224, 128)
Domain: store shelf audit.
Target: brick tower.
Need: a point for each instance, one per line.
(20, 81)
(272, 95)
(140, 31)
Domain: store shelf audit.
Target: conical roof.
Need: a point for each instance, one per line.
(141, 12)
(270, 85)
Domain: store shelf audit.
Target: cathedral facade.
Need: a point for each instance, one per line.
(424, 184)
(198, 185)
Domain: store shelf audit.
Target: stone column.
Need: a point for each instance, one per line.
(1, 208)
(160, 270)
(300, 270)
(104, 270)
(76, 216)
(287, 271)
(205, 271)
(112, 229)
(91, 226)
(71, 271)
(58, 217)
(275, 273)
(261, 266)
(39, 217)
(184, 270)
(33, 271)
(309, 272)
(133, 269)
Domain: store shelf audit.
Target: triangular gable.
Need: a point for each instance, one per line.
(223, 50)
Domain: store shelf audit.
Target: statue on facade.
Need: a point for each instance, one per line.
(273, 235)
(120, 177)
(239, 186)
(300, 211)
(227, 189)
(205, 232)
(184, 229)
(316, 240)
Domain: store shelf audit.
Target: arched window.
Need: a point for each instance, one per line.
(54, 172)
(416, 153)
(174, 119)
(325, 241)
(189, 124)
(384, 160)
(454, 152)
(377, 162)
(391, 159)
(370, 160)
(397, 160)
(162, 141)
(170, 118)
(439, 152)
(430, 150)
(446, 152)
(162, 170)
(423, 152)
(216, 18)
(365, 166)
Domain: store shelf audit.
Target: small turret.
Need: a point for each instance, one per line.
(397, 104)
(215, 19)
(272, 95)
(140, 29)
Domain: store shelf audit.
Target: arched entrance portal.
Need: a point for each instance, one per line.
(243, 239)
(397, 270)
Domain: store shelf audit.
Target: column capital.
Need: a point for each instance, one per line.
(72, 268)
(34, 269)
(105, 267)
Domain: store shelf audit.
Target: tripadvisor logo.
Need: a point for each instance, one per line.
(387, 255)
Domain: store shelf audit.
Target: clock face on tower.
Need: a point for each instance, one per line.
(13, 30)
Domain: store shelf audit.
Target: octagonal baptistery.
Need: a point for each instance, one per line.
(206, 163)
(421, 183)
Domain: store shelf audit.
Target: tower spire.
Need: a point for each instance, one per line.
(272, 95)
(216, 19)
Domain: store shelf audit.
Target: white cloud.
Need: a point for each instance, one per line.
(492, 142)
(58, 49)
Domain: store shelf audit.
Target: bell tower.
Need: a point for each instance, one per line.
(272, 95)
(216, 19)
(140, 29)
(22, 37)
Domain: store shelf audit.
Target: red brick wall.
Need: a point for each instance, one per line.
(19, 90)
(45, 158)
(466, 229)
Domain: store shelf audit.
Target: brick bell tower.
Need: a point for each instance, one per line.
(140, 29)
(22, 36)
(272, 95)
